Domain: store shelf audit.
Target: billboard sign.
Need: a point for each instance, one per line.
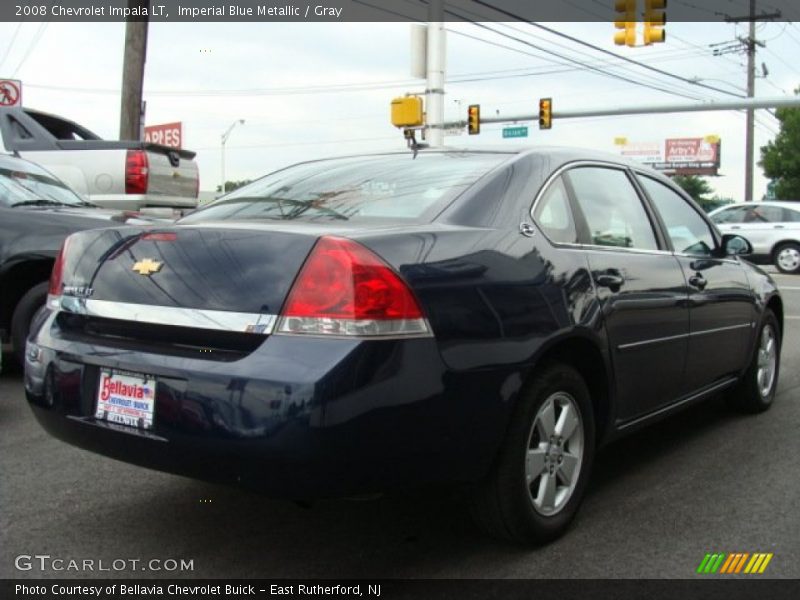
(167, 134)
(680, 156)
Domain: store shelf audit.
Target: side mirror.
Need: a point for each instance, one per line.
(736, 245)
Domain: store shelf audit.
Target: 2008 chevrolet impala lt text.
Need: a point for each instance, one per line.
(361, 324)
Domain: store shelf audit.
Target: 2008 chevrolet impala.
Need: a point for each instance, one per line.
(364, 323)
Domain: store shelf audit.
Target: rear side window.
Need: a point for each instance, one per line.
(554, 216)
(365, 188)
(768, 214)
(613, 210)
(687, 230)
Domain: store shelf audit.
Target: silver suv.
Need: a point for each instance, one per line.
(773, 228)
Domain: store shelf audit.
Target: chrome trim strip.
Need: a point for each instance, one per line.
(653, 341)
(682, 335)
(718, 329)
(219, 320)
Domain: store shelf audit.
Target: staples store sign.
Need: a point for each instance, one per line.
(168, 134)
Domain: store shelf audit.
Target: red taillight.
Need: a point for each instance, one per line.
(57, 274)
(136, 170)
(345, 289)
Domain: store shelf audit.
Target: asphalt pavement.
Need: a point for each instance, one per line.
(706, 480)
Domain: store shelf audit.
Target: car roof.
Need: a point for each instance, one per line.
(558, 155)
(790, 204)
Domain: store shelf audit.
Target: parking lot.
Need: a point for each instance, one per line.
(707, 480)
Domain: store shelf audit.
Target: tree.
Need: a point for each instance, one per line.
(234, 185)
(699, 189)
(780, 158)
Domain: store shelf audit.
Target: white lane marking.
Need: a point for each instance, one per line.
(789, 288)
(794, 318)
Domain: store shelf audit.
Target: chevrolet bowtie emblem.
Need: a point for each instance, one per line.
(147, 266)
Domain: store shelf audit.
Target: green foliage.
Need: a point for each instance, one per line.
(694, 185)
(699, 189)
(780, 158)
(234, 185)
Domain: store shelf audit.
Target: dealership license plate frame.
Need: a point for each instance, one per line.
(133, 411)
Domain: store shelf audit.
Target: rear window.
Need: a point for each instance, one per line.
(368, 188)
(26, 187)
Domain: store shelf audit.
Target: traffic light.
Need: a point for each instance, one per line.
(474, 119)
(546, 113)
(625, 22)
(654, 20)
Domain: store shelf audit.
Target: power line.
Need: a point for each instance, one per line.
(11, 44)
(603, 50)
(34, 42)
(583, 66)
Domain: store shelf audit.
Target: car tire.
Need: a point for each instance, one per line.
(528, 496)
(756, 390)
(22, 316)
(787, 258)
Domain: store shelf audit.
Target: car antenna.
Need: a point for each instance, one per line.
(413, 145)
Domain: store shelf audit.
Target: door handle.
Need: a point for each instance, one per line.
(698, 281)
(735, 227)
(609, 280)
(778, 227)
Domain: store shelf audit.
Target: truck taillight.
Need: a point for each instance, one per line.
(344, 289)
(136, 172)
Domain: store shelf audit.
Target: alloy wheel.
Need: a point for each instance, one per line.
(554, 453)
(767, 361)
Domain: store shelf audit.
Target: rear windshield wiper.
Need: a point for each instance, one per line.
(41, 202)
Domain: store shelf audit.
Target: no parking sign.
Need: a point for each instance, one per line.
(10, 93)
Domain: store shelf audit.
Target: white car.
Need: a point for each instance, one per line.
(773, 228)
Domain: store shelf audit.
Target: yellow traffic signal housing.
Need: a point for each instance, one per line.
(546, 113)
(625, 22)
(474, 119)
(654, 20)
(407, 111)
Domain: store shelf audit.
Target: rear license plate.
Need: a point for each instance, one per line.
(126, 398)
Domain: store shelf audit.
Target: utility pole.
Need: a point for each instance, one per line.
(751, 43)
(436, 59)
(130, 118)
(751, 91)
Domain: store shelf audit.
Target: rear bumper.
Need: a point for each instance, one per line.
(297, 418)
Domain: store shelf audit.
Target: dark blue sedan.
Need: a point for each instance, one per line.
(361, 324)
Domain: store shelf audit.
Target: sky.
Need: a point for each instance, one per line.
(310, 90)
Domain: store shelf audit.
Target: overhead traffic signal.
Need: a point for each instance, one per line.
(545, 113)
(474, 119)
(654, 20)
(625, 22)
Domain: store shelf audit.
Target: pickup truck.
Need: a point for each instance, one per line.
(127, 175)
